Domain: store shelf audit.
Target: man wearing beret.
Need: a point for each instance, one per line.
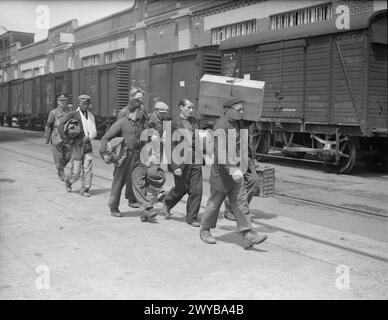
(228, 180)
(61, 149)
(82, 154)
(155, 123)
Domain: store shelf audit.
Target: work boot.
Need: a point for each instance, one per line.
(115, 213)
(68, 185)
(206, 236)
(85, 193)
(228, 215)
(166, 211)
(133, 204)
(252, 237)
(147, 214)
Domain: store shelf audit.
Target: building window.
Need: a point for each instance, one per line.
(90, 60)
(36, 72)
(27, 74)
(114, 56)
(302, 16)
(233, 30)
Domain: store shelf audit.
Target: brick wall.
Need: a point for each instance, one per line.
(199, 37)
(354, 6)
(263, 24)
(162, 38)
(107, 25)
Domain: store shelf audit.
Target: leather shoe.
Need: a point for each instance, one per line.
(133, 204)
(206, 236)
(85, 193)
(228, 215)
(167, 213)
(194, 223)
(115, 213)
(145, 215)
(68, 185)
(252, 237)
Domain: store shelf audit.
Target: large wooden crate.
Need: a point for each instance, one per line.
(214, 90)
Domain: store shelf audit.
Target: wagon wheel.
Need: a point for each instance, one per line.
(347, 159)
(261, 145)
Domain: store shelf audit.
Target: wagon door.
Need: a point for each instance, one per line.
(48, 93)
(28, 97)
(107, 92)
(140, 77)
(160, 83)
(185, 81)
(281, 66)
(88, 84)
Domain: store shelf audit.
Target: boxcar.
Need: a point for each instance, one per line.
(326, 90)
(165, 77)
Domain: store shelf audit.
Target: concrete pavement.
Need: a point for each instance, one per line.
(55, 245)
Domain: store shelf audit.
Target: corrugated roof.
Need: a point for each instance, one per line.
(357, 22)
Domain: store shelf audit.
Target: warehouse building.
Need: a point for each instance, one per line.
(152, 27)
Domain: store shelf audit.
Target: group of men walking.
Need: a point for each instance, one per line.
(228, 182)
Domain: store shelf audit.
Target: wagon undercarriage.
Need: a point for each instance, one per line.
(338, 152)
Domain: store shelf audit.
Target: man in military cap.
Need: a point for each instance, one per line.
(228, 180)
(82, 154)
(60, 149)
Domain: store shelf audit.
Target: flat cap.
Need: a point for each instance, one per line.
(84, 97)
(161, 106)
(135, 90)
(231, 101)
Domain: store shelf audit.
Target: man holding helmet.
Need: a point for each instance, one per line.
(130, 128)
(82, 154)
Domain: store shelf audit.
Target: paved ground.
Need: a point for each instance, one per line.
(55, 245)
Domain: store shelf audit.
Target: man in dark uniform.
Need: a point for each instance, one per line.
(60, 149)
(187, 176)
(130, 128)
(227, 180)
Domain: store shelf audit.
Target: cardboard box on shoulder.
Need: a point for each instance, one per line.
(214, 90)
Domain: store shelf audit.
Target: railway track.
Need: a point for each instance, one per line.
(265, 224)
(368, 214)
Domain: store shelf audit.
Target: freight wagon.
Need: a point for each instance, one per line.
(326, 90)
(30, 100)
(165, 77)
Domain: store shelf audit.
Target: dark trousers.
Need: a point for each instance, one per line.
(251, 186)
(129, 194)
(190, 182)
(238, 202)
(61, 154)
(133, 168)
